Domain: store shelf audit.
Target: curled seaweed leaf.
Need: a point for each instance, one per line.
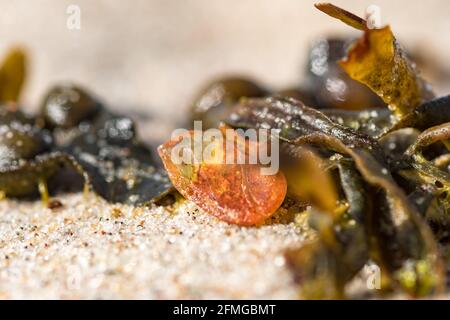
(324, 266)
(431, 177)
(428, 137)
(378, 61)
(12, 75)
(294, 119)
(308, 180)
(425, 171)
(347, 17)
(428, 114)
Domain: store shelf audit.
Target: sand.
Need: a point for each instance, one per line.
(90, 249)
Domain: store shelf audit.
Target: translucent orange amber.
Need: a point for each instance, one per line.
(236, 193)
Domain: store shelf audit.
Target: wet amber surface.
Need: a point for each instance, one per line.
(236, 193)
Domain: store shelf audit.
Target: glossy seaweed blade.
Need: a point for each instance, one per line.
(401, 241)
(120, 168)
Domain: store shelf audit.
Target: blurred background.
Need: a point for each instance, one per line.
(147, 58)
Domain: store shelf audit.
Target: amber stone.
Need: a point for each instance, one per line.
(236, 193)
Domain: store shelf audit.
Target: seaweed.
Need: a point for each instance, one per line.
(378, 61)
(74, 132)
(399, 240)
(12, 75)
